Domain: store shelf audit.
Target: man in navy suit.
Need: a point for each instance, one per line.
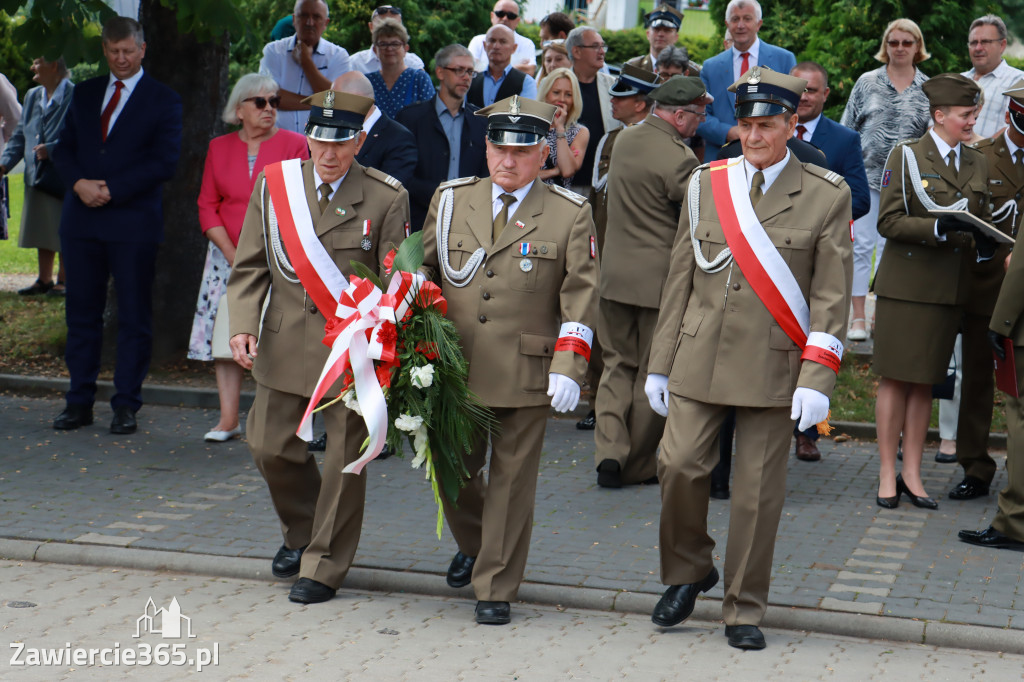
(389, 146)
(120, 143)
(743, 18)
(450, 137)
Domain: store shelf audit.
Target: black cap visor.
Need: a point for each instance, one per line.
(761, 108)
(514, 138)
(324, 133)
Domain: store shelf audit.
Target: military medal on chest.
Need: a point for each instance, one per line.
(366, 244)
(526, 264)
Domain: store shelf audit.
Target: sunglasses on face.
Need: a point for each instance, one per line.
(502, 14)
(388, 9)
(901, 43)
(261, 102)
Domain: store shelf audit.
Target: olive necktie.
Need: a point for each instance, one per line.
(755, 188)
(502, 218)
(1019, 163)
(951, 161)
(325, 196)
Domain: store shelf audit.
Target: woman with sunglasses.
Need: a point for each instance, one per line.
(233, 162)
(886, 105)
(396, 86)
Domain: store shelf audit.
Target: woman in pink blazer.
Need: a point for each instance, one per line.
(233, 162)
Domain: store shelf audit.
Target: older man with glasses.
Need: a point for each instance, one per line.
(506, 13)
(367, 61)
(986, 41)
(586, 49)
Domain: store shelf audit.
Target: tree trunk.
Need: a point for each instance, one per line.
(198, 72)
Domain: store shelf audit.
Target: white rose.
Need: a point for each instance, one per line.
(422, 377)
(349, 398)
(408, 423)
(421, 443)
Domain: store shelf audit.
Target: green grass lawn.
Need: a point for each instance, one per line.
(13, 259)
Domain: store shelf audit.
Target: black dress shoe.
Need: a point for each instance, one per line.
(123, 421)
(945, 458)
(286, 562)
(719, 492)
(888, 502)
(493, 613)
(460, 571)
(968, 489)
(36, 289)
(609, 474)
(745, 636)
(317, 444)
(75, 415)
(676, 604)
(588, 423)
(918, 501)
(990, 537)
(308, 591)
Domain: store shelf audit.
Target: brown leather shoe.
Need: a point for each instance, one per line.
(806, 450)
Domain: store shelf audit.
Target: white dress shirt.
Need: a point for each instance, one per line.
(737, 59)
(526, 52)
(277, 62)
(771, 173)
(126, 92)
(497, 204)
(993, 84)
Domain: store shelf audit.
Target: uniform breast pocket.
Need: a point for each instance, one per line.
(979, 196)
(343, 243)
(535, 266)
(712, 239)
(790, 242)
(460, 248)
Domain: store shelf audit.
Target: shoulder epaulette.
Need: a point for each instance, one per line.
(456, 182)
(575, 198)
(987, 142)
(389, 180)
(909, 140)
(829, 175)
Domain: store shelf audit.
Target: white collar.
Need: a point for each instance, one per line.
(754, 50)
(1009, 144)
(519, 194)
(368, 123)
(317, 181)
(944, 148)
(129, 83)
(771, 173)
(810, 126)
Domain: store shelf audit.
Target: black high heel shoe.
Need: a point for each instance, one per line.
(889, 502)
(918, 501)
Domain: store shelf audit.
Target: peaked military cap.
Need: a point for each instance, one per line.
(517, 121)
(633, 81)
(335, 116)
(679, 90)
(763, 92)
(663, 15)
(951, 90)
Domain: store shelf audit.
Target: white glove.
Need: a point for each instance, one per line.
(809, 406)
(656, 388)
(564, 391)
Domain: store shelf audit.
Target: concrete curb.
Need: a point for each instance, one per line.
(206, 398)
(951, 635)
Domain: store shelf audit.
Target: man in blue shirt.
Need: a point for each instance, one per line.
(499, 80)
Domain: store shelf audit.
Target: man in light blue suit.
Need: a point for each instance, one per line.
(743, 17)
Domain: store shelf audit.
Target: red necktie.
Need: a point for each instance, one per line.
(800, 130)
(109, 110)
(746, 63)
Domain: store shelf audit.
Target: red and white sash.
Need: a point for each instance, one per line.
(763, 265)
(327, 286)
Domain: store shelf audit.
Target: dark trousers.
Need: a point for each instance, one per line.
(89, 264)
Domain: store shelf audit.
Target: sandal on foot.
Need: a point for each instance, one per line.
(857, 334)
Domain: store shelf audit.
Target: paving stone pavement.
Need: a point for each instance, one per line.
(256, 634)
(165, 489)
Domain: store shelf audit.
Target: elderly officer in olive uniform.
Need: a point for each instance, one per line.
(761, 268)
(1006, 187)
(340, 212)
(630, 105)
(924, 283)
(1007, 529)
(517, 262)
(646, 187)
